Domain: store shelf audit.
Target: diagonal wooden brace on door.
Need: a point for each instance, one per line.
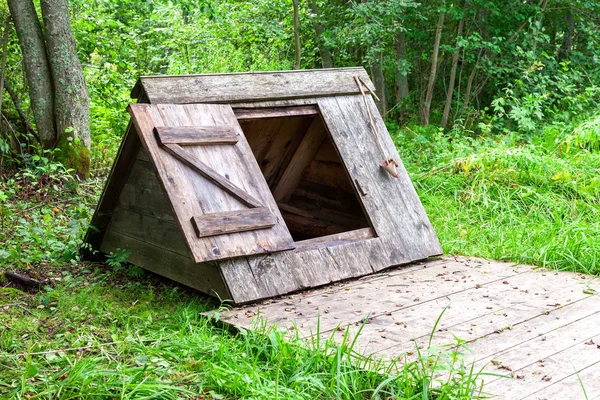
(256, 217)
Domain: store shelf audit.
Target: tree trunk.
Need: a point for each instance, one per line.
(401, 82)
(451, 83)
(379, 82)
(434, 67)
(296, 35)
(36, 67)
(471, 78)
(71, 102)
(326, 57)
(567, 42)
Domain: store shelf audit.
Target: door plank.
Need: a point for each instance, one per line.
(196, 135)
(233, 221)
(191, 194)
(392, 205)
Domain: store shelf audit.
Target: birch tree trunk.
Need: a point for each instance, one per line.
(37, 69)
(296, 35)
(434, 67)
(452, 81)
(401, 81)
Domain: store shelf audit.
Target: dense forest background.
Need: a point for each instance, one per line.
(476, 66)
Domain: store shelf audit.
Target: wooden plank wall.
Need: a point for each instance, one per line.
(144, 224)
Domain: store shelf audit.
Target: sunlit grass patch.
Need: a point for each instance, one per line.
(511, 197)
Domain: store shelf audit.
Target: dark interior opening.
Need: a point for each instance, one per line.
(304, 171)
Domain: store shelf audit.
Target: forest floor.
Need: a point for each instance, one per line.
(111, 330)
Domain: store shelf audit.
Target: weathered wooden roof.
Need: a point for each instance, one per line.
(249, 86)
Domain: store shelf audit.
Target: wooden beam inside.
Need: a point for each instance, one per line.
(274, 112)
(196, 135)
(300, 161)
(233, 221)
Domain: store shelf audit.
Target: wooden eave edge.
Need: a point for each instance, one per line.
(138, 88)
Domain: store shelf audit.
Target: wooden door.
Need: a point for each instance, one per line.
(220, 198)
(391, 204)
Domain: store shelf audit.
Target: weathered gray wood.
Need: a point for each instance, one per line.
(143, 194)
(204, 277)
(392, 204)
(558, 364)
(191, 194)
(335, 239)
(541, 327)
(233, 221)
(274, 141)
(279, 273)
(196, 135)
(253, 86)
(110, 194)
(193, 162)
(274, 112)
(302, 158)
(160, 233)
(144, 201)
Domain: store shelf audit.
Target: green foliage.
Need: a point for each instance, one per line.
(44, 213)
(118, 258)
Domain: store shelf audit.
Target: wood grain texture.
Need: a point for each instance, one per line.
(253, 86)
(204, 277)
(392, 205)
(196, 135)
(143, 194)
(335, 239)
(243, 114)
(193, 162)
(160, 233)
(279, 273)
(273, 142)
(191, 194)
(540, 327)
(233, 221)
(301, 159)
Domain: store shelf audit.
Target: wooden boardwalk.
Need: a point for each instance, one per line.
(541, 327)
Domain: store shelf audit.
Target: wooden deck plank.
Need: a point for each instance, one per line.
(555, 366)
(530, 296)
(574, 386)
(471, 314)
(336, 304)
(512, 315)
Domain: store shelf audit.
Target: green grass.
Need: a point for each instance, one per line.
(531, 199)
(98, 335)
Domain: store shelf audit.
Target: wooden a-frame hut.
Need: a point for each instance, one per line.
(253, 185)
